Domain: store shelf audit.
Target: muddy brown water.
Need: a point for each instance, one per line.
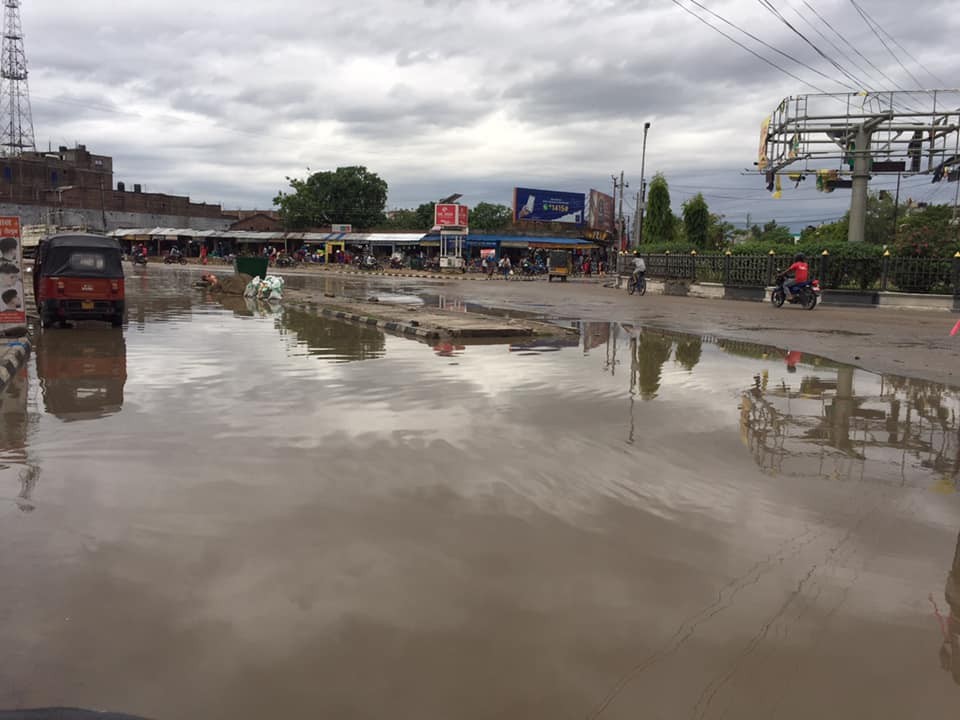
(243, 512)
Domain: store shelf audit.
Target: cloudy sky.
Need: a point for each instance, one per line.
(223, 99)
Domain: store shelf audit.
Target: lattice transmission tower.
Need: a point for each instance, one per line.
(844, 139)
(16, 131)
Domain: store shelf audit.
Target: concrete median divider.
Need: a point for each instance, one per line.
(13, 356)
(836, 298)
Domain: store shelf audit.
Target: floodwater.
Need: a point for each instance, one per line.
(232, 512)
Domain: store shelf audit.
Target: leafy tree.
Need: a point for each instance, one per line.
(771, 232)
(488, 216)
(425, 214)
(659, 222)
(720, 232)
(352, 195)
(927, 232)
(696, 221)
(405, 220)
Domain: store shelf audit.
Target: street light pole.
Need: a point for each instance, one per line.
(643, 183)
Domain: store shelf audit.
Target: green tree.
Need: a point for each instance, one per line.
(721, 232)
(490, 217)
(351, 195)
(425, 214)
(927, 232)
(696, 221)
(771, 232)
(405, 220)
(659, 222)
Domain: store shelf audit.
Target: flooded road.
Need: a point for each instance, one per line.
(239, 512)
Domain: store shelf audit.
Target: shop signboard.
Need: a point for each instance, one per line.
(535, 205)
(601, 211)
(13, 313)
(451, 215)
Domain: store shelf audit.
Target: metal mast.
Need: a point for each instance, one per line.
(16, 131)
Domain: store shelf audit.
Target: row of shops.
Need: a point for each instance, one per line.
(328, 246)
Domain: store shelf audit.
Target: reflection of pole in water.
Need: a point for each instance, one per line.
(29, 477)
(842, 409)
(614, 333)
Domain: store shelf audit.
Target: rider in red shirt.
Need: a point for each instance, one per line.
(800, 270)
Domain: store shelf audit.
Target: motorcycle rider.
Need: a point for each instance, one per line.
(800, 270)
(639, 267)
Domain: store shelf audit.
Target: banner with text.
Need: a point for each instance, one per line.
(13, 312)
(451, 215)
(548, 206)
(601, 211)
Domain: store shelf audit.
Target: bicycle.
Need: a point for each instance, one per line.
(637, 284)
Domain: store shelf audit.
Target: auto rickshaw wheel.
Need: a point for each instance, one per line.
(47, 321)
(116, 321)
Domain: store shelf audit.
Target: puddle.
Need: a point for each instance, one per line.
(243, 511)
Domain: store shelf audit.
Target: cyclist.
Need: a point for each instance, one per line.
(639, 267)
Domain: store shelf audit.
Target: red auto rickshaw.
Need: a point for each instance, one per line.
(79, 277)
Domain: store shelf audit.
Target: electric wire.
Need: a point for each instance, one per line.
(837, 48)
(936, 78)
(884, 43)
(749, 50)
(768, 45)
(855, 49)
(776, 13)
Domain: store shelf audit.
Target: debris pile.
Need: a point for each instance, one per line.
(269, 288)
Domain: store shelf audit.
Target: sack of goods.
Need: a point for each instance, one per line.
(269, 288)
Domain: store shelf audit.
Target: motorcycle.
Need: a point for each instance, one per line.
(173, 258)
(807, 294)
(138, 259)
(396, 264)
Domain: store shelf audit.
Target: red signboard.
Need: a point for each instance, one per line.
(450, 215)
(12, 310)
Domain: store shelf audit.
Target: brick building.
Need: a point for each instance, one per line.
(74, 178)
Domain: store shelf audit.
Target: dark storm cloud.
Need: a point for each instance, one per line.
(201, 96)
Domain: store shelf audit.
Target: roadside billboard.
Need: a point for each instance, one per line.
(548, 206)
(451, 215)
(601, 211)
(13, 312)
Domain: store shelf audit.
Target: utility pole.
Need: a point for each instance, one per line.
(636, 220)
(643, 183)
(623, 186)
(896, 209)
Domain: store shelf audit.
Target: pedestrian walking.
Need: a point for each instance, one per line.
(203, 255)
(505, 267)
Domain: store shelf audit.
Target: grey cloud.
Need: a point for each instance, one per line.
(264, 78)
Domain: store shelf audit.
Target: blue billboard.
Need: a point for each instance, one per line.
(549, 206)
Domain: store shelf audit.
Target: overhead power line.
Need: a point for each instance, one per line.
(769, 62)
(846, 57)
(767, 45)
(883, 42)
(859, 84)
(856, 50)
(936, 78)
